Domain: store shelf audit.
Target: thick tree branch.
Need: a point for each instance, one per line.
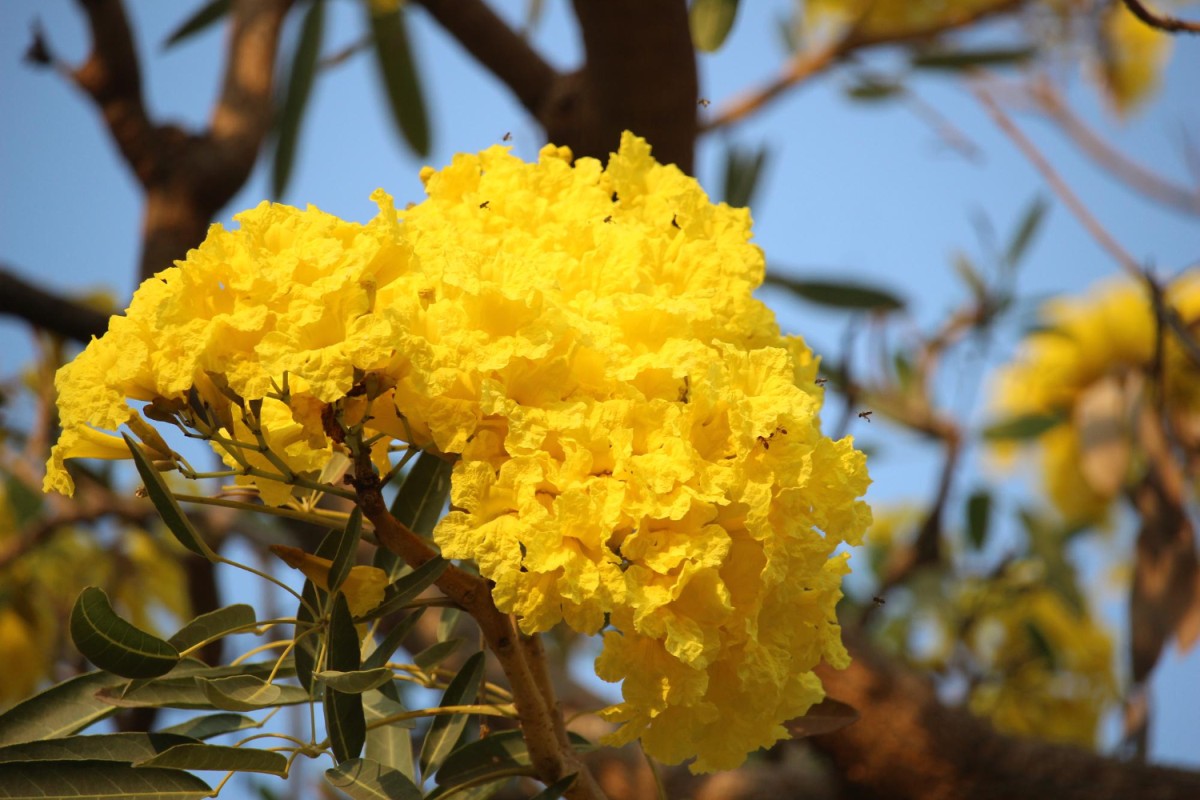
(48, 311)
(909, 746)
(1161, 21)
(498, 48)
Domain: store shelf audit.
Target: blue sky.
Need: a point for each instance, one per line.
(861, 191)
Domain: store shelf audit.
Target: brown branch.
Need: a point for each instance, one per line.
(808, 64)
(1161, 21)
(498, 48)
(1134, 175)
(48, 311)
(909, 746)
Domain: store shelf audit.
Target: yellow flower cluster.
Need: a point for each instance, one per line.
(1091, 365)
(638, 448)
(1047, 669)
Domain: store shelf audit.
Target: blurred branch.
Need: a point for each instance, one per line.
(48, 311)
(807, 64)
(1069, 198)
(1161, 21)
(1137, 177)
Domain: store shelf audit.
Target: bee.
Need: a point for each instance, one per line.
(704, 102)
(608, 219)
(822, 381)
(485, 204)
(675, 222)
(507, 137)
(865, 415)
(878, 600)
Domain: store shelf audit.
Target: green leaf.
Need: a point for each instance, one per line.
(435, 654)
(502, 754)
(742, 172)
(827, 716)
(207, 14)
(445, 729)
(299, 81)
(447, 623)
(409, 587)
(344, 718)
(211, 725)
(968, 59)
(248, 693)
(122, 747)
(305, 652)
(355, 682)
(838, 294)
(219, 758)
(1030, 223)
(383, 653)
(979, 515)
(970, 275)
(60, 710)
(399, 74)
(1023, 427)
(423, 494)
(96, 780)
(347, 546)
(1041, 645)
(871, 88)
(213, 625)
(556, 789)
(389, 744)
(711, 21)
(165, 503)
(364, 779)
(23, 501)
(115, 645)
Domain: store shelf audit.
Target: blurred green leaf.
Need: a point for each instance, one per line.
(1030, 223)
(205, 16)
(1041, 645)
(115, 645)
(299, 83)
(219, 758)
(979, 516)
(1020, 428)
(214, 624)
(872, 88)
(838, 294)
(970, 275)
(24, 501)
(435, 654)
(400, 80)
(711, 21)
(969, 59)
(364, 779)
(97, 780)
(344, 718)
(446, 728)
(165, 503)
(743, 169)
(121, 747)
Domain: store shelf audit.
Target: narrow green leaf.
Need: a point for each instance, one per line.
(970, 275)
(211, 725)
(838, 294)
(1041, 645)
(872, 88)
(383, 653)
(743, 168)
(123, 747)
(222, 692)
(423, 494)
(435, 654)
(502, 754)
(115, 645)
(390, 744)
(248, 693)
(204, 17)
(61, 710)
(556, 789)
(979, 515)
(347, 546)
(165, 503)
(364, 779)
(305, 652)
(400, 80)
(215, 624)
(711, 21)
(409, 587)
(447, 623)
(445, 729)
(1030, 223)
(96, 780)
(299, 82)
(344, 717)
(219, 758)
(355, 682)
(968, 59)
(1020, 428)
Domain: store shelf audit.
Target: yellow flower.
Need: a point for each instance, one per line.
(1132, 58)
(636, 443)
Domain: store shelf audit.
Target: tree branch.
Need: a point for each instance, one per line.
(48, 311)
(1161, 21)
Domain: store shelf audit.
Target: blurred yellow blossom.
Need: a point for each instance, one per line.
(637, 446)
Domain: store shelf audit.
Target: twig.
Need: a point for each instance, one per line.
(1069, 198)
(1161, 21)
(48, 311)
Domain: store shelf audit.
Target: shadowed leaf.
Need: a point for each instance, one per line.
(364, 779)
(218, 758)
(423, 494)
(409, 587)
(59, 711)
(969, 59)
(344, 717)
(97, 780)
(212, 725)
(165, 503)
(123, 747)
(115, 645)
(214, 624)
(445, 729)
